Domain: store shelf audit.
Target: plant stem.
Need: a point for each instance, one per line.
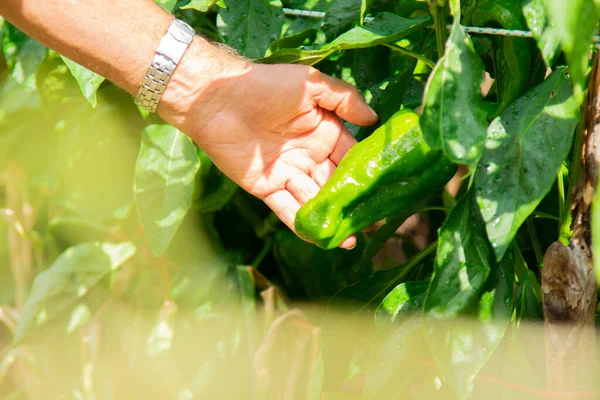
(561, 196)
(539, 256)
(521, 268)
(413, 54)
(263, 252)
(437, 12)
(574, 172)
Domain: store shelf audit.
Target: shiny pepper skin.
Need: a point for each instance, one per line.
(512, 55)
(391, 170)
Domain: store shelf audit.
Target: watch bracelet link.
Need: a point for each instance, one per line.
(173, 45)
(155, 82)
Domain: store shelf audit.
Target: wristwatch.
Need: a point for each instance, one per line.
(171, 49)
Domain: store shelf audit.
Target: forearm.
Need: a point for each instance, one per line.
(115, 38)
(111, 37)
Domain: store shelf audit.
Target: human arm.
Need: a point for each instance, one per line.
(273, 129)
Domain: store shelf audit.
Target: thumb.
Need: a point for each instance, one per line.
(345, 100)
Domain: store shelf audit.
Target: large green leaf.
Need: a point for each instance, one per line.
(71, 277)
(164, 183)
(575, 22)
(462, 263)
(542, 29)
(385, 28)
(251, 25)
(523, 154)
(88, 81)
(463, 347)
(343, 15)
(453, 115)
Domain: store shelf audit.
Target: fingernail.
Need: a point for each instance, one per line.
(374, 113)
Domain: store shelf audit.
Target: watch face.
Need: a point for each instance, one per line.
(182, 31)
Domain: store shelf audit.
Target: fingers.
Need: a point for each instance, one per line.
(343, 98)
(303, 188)
(349, 243)
(323, 171)
(284, 205)
(344, 143)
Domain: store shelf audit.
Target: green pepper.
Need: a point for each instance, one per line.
(391, 170)
(511, 55)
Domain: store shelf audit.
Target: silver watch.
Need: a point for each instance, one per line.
(170, 51)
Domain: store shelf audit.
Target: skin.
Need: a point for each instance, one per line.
(273, 129)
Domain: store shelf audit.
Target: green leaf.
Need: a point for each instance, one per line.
(251, 25)
(315, 272)
(88, 81)
(214, 189)
(369, 292)
(575, 22)
(200, 5)
(454, 118)
(71, 277)
(462, 348)
(365, 6)
(292, 41)
(342, 16)
(523, 154)
(528, 306)
(462, 263)
(405, 299)
(164, 183)
(23, 55)
(542, 30)
(385, 28)
(167, 5)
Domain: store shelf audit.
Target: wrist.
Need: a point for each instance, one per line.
(201, 84)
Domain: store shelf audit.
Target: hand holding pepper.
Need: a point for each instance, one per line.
(274, 130)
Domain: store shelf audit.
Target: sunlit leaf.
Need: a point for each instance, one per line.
(200, 5)
(88, 81)
(574, 22)
(462, 263)
(523, 153)
(164, 182)
(167, 5)
(453, 115)
(462, 348)
(405, 299)
(385, 28)
(542, 29)
(71, 277)
(23, 55)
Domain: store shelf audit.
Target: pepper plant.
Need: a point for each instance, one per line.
(119, 235)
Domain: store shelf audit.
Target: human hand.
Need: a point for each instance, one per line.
(273, 129)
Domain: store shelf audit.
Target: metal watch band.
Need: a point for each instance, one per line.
(170, 51)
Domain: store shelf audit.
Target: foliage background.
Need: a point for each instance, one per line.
(131, 267)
